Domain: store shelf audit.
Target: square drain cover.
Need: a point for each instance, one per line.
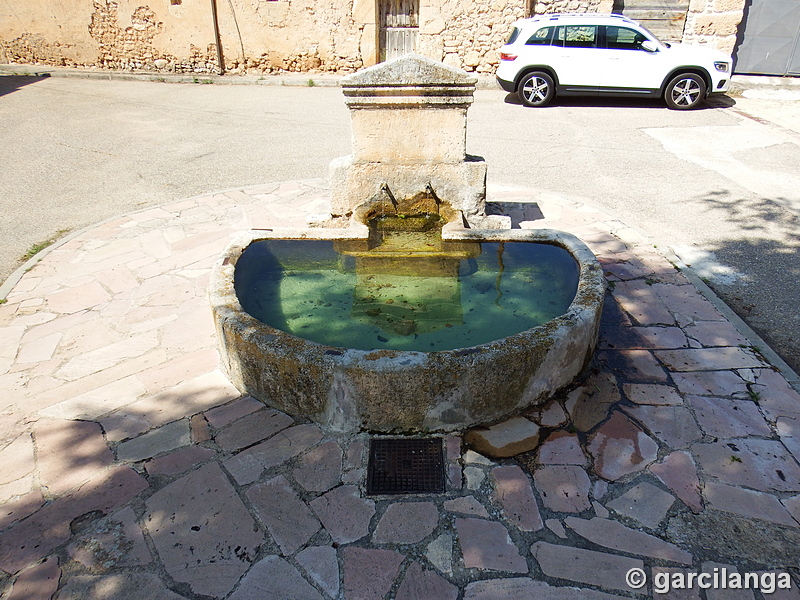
(405, 466)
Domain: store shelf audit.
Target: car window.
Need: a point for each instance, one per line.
(541, 38)
(576, 36)
(624, 38)
(514, 35)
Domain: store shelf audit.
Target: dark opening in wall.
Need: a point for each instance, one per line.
(174, 2)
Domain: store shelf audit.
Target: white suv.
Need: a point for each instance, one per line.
(589, 54)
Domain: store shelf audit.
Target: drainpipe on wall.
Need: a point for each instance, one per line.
(220, 64)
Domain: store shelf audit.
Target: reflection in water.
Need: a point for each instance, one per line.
(404, 290)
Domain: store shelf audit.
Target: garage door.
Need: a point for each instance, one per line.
(771, 41)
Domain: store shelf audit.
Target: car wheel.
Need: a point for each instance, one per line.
(685, 91)
(536, 89)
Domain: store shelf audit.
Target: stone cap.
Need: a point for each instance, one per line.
(411, 80)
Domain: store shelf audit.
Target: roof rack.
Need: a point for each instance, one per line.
(554, 16)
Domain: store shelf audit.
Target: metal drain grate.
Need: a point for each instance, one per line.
(405, 466)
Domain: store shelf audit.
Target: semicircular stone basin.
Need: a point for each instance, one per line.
(358, 335)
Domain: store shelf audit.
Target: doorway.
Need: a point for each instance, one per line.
(399, 27)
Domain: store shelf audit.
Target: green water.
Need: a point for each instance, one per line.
(446, 295)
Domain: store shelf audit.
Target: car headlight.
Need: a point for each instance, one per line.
(721, 66)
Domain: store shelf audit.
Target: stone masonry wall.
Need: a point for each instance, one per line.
(467, 35)
(713, 22)
(265, 36)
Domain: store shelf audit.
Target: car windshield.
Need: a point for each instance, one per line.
(514, 35)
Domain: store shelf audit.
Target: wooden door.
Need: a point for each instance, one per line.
(399, 26)
(664, 18)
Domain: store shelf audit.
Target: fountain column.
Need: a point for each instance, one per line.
(409, 136)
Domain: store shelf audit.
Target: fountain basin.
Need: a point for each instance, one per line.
(407, 391)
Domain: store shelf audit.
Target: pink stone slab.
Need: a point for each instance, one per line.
(320, 469)
(344, 513)
(49, 527)
(633, 365)
(747, 503)
(248, 465)
(519, 588)
(487, 545)
(252, 429)
(714, 383)
(645, 503)
(369, 574)
(616, 536)
(758, 464)
(715, 333)
(652, 394)
(562, 448)
(563, 488)
(514, 494)
(726, 417)
(673, 425)
(117, 586)
(406, 523)
(39, 582)
(272, 578)
(222, 416)
(16, 459)
(566, 562)
(422, 584)
(619, 448)
(322, 566)
(709, 359)
(641, 302)
(202, 531)
(70, 453)
(288, 519)
(687, 302)
(679, 473)
(466, 505)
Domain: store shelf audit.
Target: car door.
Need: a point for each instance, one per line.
(575, 58)
(625, 64)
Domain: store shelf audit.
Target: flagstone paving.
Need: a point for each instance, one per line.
(131, 468)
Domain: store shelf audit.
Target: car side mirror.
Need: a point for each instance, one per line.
(650, 46)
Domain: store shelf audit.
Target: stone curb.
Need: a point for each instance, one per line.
(753, 338)
(739, 83)
(485, 82)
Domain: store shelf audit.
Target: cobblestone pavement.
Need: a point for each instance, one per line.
(130, 468)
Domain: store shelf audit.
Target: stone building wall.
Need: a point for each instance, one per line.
(714, 23)
(178, 35)
(264, 36)
(467, 35)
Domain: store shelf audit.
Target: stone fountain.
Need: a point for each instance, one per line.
(409, 174)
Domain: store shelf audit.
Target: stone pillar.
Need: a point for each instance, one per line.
(365, 16)
(714, 23)
(409, 124)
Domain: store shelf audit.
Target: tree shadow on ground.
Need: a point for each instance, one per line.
(766, 259)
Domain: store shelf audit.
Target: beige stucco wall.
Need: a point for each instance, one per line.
(257, 35)
(286, 35)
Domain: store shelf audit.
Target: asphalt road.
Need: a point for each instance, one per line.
(720, 187)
